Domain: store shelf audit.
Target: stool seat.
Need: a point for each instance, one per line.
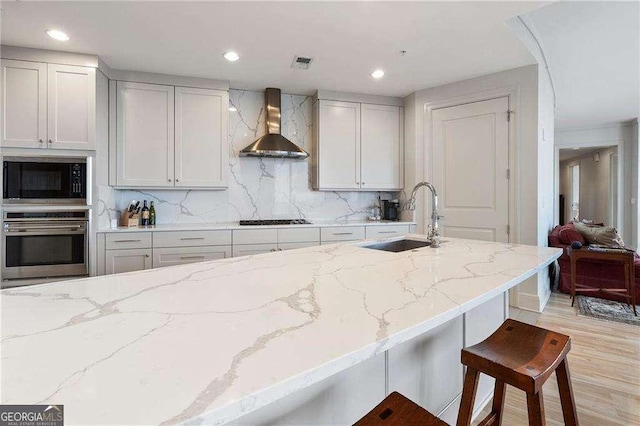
(519, 354)
(398, 410)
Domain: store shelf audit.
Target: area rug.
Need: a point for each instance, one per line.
(608, 310)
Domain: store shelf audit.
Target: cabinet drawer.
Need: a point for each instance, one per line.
(191, 238)
(183, 255)
(128, 240)
(342, 233)
(255, 236)
(299, 235)
(384, 231)
(293, 246)
(253, 249)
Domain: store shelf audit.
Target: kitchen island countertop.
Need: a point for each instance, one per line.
(208, 342)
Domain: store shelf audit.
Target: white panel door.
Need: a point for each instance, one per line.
(24, 104)
(470, 162)
(339, 145)
(145, 135)
(72, 107)
(201, 137)
(120, 261)
(381, 147)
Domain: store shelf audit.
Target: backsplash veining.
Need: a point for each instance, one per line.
(259, 188)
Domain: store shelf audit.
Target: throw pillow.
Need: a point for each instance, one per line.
(569, 234)
(604, 235)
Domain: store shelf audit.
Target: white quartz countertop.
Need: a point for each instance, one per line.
(235, 225)
(210, 341)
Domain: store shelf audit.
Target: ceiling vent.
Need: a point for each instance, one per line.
(301, 62)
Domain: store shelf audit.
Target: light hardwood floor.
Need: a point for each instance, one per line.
(605, 370)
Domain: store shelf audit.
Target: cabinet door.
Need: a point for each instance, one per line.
(201, 138)
(145, 136)
(338, 145)
(24, 104)
(72, 107)
(251, 249)
(119, 261)
(381, 147)
(182, 255)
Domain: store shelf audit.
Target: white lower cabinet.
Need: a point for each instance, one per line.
(127, 260)
(293, 246)
(386, 231)
(182, 255)
(253, 249)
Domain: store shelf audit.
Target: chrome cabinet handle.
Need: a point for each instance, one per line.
(191, 238)
(127, 241)
(343, 233)
(279, 249)
(177, 180)
(50, 141)
(273, 249)
(387, 232)
(191, 257)
(169, 179)
(146, 255)
(40, 140)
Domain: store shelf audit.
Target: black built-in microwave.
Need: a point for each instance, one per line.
(51, 180)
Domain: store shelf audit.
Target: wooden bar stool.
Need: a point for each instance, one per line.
(523, 356)
(517, 354)
(398, 410)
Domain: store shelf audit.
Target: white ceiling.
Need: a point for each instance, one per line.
(445, 41)
(593, 51)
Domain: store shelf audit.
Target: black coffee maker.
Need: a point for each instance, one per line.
(390, 210)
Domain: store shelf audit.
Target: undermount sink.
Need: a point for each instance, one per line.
(398, 246)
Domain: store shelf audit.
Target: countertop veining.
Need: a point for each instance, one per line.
(208, 342)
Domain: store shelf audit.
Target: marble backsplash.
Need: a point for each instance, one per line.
(259, 188)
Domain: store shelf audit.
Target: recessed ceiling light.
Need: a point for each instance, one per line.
(57, 34)
(377, 74)
(231, 56)
(232, 109)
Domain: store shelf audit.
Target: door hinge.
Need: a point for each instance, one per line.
(509, 112)
(508, 173)
(508, 229)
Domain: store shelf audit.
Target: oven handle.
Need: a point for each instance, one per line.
(44, 228)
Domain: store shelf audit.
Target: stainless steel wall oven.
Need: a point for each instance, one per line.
(43, 244)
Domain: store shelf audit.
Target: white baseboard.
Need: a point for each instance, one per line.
(532, 302)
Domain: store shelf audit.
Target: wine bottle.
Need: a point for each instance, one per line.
(152, 214)
(145, 214)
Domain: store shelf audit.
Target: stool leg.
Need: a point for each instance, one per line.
(535, 408)
(495, 416)
(566, 394)
(468, 397)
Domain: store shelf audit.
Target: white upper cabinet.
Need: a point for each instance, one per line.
(201, 137)
(171, 137)
(24, 104)
(48, 106)
(145, 135)
(338, 147)
(381, 147)
(72, 102)
(357, 146)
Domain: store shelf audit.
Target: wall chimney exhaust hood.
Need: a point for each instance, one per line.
(273, 144)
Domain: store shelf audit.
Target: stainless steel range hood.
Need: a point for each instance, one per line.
(273, 144)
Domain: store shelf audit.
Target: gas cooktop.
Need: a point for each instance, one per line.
(275, 222)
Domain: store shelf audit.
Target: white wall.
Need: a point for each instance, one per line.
(627, 133)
